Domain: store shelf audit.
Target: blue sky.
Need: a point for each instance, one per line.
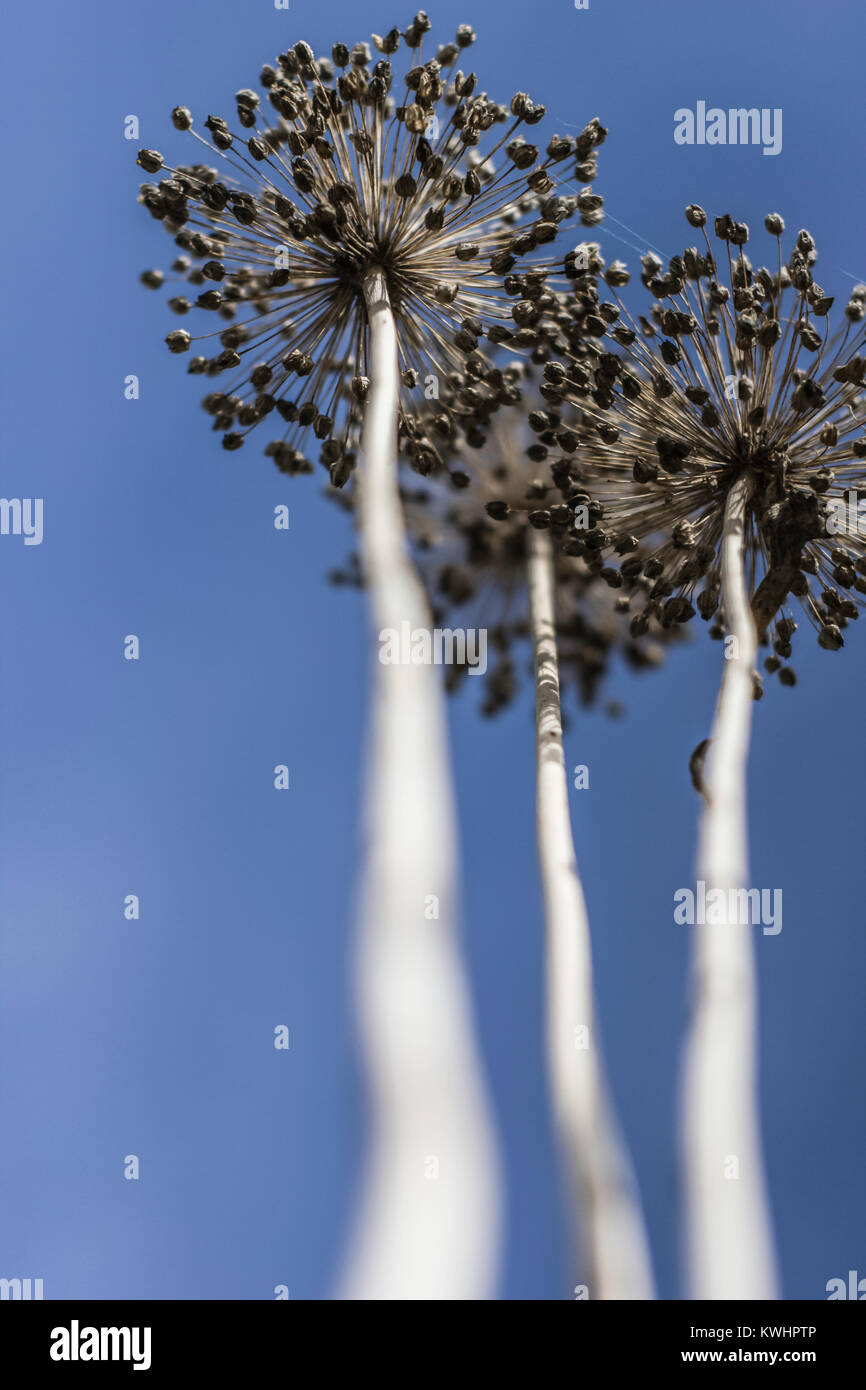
(154, 1037)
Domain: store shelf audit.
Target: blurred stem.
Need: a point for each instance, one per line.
(730, 1245)
(428, 1224)
(602, 1191)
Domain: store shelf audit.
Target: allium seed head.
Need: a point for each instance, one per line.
(734, 374)
(345, 166)
(472, 550)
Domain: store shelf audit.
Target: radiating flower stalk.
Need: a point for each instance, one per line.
(498, 553)
(353, 246)
(720, 438)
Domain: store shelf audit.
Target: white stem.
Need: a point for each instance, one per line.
(603, 1194)
(730, 1245)
(429, 1219)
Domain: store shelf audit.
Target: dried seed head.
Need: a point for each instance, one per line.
(472, 534)
(722, 381)
(330, 176)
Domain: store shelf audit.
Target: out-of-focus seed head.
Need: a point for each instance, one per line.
(472, 548)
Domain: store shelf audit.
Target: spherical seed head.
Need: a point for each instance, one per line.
(724, 381)
(343, 167)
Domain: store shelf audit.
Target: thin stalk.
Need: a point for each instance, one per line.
(729, 1238)
(602, 1192)
(428, 1224)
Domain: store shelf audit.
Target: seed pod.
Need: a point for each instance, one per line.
(150, 160)
(178, 340)
(497, 510)
(830, 637)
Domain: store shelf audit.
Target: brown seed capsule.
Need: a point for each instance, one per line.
(497, 510)
(830, 637)
(150, 160)
(178, 340)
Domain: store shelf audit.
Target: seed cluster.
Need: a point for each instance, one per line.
(472, 552)
(344, 167)
(731, 373)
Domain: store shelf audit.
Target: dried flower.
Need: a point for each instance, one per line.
(472, 552)
(733, 374)
(354, 168)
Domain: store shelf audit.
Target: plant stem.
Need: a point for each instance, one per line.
(603, 1194)
(730, 1246)
(428, 1225)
